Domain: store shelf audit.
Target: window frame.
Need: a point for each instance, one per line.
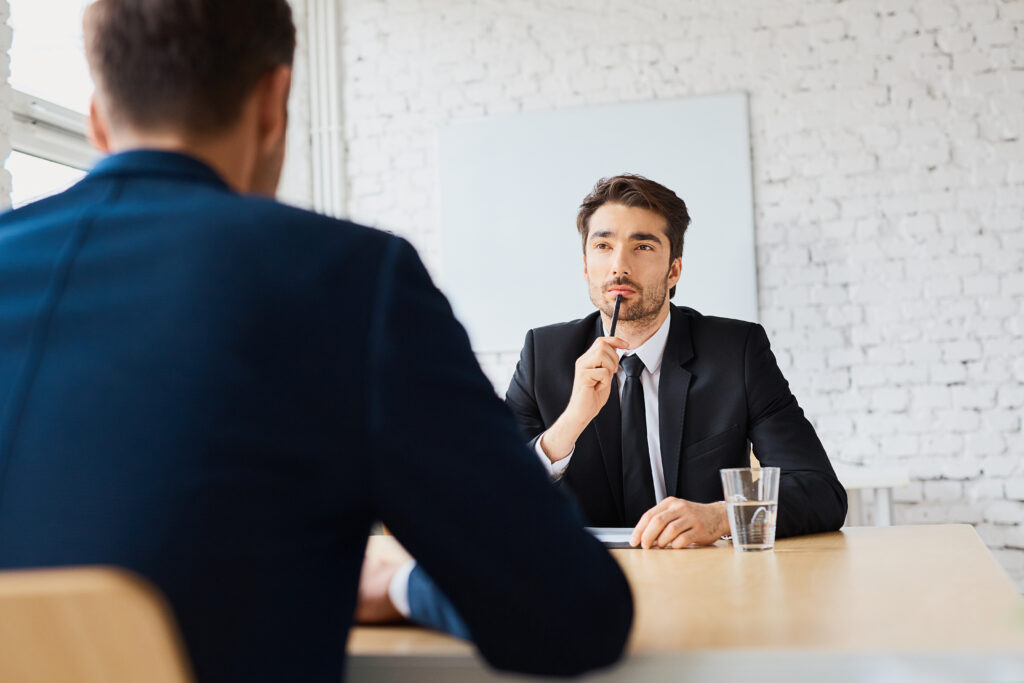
(46, 130)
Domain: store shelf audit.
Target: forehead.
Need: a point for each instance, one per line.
(621, 220)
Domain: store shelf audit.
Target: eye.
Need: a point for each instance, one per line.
(645, 247)
(601, 245)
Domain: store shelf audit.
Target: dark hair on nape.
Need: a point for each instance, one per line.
(637, 191)
(184, 64)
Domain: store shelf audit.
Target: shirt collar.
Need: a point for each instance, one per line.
(653, 350)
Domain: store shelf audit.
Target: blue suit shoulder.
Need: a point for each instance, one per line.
(207, 213)
(280, 240)
(55, 206)
(267, 216)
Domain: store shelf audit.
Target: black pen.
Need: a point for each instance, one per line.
(615, 315)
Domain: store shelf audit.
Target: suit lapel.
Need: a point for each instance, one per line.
(672, 391)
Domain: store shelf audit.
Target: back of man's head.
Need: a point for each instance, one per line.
(184, 65)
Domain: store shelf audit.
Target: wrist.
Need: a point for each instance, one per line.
(722, 514)
(573, 421)
(551, 447)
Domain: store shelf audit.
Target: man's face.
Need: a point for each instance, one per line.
(627, 252)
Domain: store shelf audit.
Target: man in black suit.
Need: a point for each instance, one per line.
(222, 393)
(638, 425)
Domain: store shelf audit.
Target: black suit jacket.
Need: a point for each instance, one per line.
(222, 393)
(721, 390)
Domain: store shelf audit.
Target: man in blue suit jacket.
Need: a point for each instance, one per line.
(222, 393)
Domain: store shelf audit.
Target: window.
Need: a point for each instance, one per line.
(51, 98)
(35, 177)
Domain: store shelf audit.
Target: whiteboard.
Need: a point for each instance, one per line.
(511, 185)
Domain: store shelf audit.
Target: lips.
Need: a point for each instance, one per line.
(624, 291)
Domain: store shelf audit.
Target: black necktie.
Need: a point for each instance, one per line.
(637, 482)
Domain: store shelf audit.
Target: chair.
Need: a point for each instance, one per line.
(87, 624)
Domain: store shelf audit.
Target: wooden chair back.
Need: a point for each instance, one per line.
(87, 624)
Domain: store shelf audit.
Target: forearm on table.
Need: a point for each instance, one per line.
(810, 502)
(721, 518)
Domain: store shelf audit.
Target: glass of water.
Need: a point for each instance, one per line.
(752, 499)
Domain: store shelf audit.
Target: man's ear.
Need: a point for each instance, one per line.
(675, 270)
(97, 131)
(273, 106)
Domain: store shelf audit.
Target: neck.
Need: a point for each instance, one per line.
(225, 153)
(636, 332)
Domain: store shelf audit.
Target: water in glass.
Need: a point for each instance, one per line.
(752, 523)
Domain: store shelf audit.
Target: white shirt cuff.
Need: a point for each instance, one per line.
(555, 469)
(398, 589)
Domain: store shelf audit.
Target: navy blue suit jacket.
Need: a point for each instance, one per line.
(222, 392)
(720, 392)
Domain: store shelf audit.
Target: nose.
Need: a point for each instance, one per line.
(620, 263)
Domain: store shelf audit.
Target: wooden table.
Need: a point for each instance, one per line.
(908, 593)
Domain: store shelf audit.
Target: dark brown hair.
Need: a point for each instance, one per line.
(637, 191)
(186, 64)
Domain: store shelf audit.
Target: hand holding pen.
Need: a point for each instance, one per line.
(592, 384)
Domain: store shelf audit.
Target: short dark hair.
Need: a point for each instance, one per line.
(187, 64)
(636, 191)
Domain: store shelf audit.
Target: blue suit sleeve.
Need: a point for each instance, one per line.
(429, 606)
(457, 486)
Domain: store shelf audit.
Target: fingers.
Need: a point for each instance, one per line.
(680, 541)
(599, 357)
(609, 361)
(597, 376)
(611, 343)
(606, 347)
(602, 354)
(614, 342)
(651, 524)
(606, 357)
(672, 523)
(655, 526)
(675, 534)
(641, 526)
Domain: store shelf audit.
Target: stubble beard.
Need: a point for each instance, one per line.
(644, 308)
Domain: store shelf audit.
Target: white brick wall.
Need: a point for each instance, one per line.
(6, 117)
(888, 150)
(296, 183)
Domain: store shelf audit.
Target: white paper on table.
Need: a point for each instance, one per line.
(612, 537)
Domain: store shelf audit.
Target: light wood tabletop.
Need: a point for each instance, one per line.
(881, 589)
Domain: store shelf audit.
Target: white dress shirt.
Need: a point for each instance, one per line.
(650, 352)
(398, 589)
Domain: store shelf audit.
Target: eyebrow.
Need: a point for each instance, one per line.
(636, 236)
